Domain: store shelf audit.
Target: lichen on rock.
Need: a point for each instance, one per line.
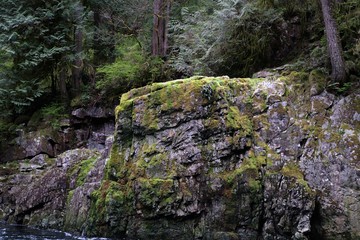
(205, 158)
(224, 154)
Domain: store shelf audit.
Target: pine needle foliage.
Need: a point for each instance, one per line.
(348, 13)
(35, 36)
(234, 37)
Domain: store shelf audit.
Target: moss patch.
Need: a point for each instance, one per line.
(85, 167)
(293, 170)
(249, 166)
(80, 170)
(115, 167)
(109, 203)
(155, 192)
(237, 121)
(180, 95)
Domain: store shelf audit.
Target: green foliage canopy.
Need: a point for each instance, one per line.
(36, 36)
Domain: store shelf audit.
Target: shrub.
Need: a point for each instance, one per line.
(132, 68)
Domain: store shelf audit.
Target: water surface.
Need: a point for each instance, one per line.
(19, 232)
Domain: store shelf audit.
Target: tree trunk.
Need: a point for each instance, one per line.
(53, 82)
(160, 22)
(62, 83)
(78, 38)
(338, 73)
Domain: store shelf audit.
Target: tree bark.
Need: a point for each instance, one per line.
(338, 73)
(160, 23)
(62, 83)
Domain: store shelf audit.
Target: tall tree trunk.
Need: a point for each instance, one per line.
(62, 83)
(78, 38)
(53, 82)
(160, 22)
(338, 73)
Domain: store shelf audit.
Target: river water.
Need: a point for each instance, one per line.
(18, 232)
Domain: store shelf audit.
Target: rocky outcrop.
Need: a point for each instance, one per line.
(30, 144)
(52, 192)
(92, 125)
(85, 127)
(274, 157)
(219, 158)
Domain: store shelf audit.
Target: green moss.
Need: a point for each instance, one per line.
(259, 102)
(184, 97)
(69, 197)
(115, 196)
(149, 119)
(155, 192)
(85, 167)
(299, 86)
(168, 98)
(97, 202)
(255, 184)
(237, 121)
(81, 170)
(293, 170)
(294, 77)
(112, 199)
(261, 122)
(153, 162)
(212, 123)
(149, 150)
(237, 138)
(167, 94)
(254, 82)
(115, 168)
(147, 104)
(125, 105)
(50, 161)
(318, 80)
(329, 136)
(249, 166)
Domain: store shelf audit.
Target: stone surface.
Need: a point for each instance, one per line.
(57, 196)
(87, 127)
(203, 158)
(219, 158)
(93, 112)
(31, 144)
(92, 126)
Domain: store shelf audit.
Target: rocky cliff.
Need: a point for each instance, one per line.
(274, 157)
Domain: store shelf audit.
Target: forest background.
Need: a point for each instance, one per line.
(56, 55)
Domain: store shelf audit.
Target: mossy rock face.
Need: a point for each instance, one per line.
(205, 158)
(214, 154)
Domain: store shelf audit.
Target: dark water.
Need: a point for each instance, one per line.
(17, 232)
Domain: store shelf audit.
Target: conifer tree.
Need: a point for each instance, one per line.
(160, 27)
(335, 51)
(38, 37)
